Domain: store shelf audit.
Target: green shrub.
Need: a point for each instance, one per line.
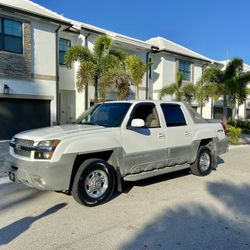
(234, 134)
(244, 125)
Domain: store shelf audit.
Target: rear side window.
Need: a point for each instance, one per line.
(173, 115)
(197, 118)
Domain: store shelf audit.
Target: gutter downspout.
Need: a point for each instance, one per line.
(147, 75)
(57, 77)
(87, 86)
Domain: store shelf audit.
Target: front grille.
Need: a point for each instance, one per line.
(22, 142)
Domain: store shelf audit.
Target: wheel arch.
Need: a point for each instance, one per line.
(107, 156)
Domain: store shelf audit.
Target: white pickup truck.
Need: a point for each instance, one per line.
(115, 141)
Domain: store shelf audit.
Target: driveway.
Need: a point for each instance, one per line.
(175, 211)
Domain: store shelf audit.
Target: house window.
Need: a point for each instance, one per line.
(64, 45)
(11, 36)
(185, 69)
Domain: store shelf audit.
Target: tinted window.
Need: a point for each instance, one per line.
(173, 115)
(106, 114)
(64, 45)
(11, 36)
(148, 113)
(185, 69)
(197, 118)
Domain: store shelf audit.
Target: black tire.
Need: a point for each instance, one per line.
(197, 168)
(82, 192)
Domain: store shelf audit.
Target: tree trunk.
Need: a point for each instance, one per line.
(86, 96)
(201, 111)
(235, 114)
(225, 110)
(137, 92)
(212, 108)
(96, 90)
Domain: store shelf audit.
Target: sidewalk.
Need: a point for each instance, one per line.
(245, 139)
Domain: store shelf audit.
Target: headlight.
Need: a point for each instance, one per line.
(45, 149)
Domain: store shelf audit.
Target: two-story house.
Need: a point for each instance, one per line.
(36, 89)
(171, 58)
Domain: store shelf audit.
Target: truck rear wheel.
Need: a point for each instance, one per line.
(203, 164)
(94, 183)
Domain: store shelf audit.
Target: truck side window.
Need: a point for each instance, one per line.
(173, 115)
(148, 113)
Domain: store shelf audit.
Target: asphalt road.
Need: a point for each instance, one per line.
(176, 211)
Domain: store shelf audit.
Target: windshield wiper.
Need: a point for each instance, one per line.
(90, 123)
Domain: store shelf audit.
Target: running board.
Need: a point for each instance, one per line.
(144, 175)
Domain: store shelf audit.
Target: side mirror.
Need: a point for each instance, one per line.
(137, 123)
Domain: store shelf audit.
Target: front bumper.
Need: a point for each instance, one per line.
(43, 175)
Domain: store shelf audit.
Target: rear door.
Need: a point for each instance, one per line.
(145, 148)
(178, 134)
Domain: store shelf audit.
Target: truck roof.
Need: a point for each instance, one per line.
(143, 101)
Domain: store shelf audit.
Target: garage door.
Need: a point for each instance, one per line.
(17, 115)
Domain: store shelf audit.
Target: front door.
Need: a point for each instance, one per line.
(68, 106)
(145, 148)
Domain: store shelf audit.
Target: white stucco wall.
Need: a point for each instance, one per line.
(43, 64)
(44, 48)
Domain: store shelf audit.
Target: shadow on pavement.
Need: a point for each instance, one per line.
(13, 194)
(236, 198)
(193, 226)
(10, 232)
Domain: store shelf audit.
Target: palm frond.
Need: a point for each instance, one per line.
(168, 90)
(233, 68)
(108, 62)
(136, 68)
(102, 46)
(77, 53)
(120, 54)
(188, 91)
(85, 75)
(212, 74)
(179, 78)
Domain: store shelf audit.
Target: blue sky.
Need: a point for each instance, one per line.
(214, 28)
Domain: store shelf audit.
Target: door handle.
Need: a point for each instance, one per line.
(161, 135)
(187, 133)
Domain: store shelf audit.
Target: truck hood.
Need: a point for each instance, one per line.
(60, 132)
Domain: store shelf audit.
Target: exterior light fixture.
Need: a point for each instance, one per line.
(6, 89)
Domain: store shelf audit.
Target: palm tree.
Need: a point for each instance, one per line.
(232, 82)
(182, 92)
(93, 65)
(207, 87)
(136, 68)
(117, 79)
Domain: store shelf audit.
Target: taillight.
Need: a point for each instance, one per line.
(224, 127)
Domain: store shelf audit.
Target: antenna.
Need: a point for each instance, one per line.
(227, 57)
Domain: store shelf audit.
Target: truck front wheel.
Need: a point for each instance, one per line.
(94, 182)
(203, 164)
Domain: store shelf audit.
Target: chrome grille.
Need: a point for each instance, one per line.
(23, 142)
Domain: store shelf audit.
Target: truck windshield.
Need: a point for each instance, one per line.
(106, 114)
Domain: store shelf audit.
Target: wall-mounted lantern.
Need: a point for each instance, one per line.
(6, 89)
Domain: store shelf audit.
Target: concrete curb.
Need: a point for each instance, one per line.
(238, 146)
(4, 180)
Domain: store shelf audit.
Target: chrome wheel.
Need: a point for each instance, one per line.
(96, 183)
(204, 162)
